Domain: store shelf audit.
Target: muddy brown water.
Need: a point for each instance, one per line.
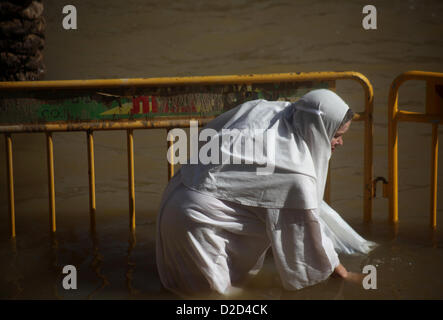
(131, 39)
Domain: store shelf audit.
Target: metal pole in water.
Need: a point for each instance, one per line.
(434, 168)
(130, 144)
(51, 186)
(170, 145)
(393, 153)
(10, 179)
(368, 191)
(91, 174)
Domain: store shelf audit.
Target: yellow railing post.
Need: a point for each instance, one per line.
(51, 186)
(368, 193)
(171, 153)
(392, 154)
(131, 187)
(434, 115)
(10, 181)
(91, 175)
(434, 169)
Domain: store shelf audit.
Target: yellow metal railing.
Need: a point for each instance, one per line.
(433, 115)
(166, 123)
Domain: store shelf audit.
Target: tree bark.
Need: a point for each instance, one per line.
(22, 39)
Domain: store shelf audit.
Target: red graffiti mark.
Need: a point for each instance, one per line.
(149, 103)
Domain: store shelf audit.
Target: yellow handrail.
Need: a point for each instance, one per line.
(177, 81)
(432, 115)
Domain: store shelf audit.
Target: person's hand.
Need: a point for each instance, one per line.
(353, 277)
(340, 271)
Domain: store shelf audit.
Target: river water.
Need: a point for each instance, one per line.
(140, 38)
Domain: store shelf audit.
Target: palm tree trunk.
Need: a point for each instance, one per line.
(22, 38)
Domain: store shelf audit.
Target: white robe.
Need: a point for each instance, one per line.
(217, 221)
(206, 244)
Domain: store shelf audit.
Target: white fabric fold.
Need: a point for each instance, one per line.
(343, 237)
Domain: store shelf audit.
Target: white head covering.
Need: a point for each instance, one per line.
(298, 150)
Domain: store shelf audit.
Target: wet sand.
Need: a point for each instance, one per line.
(141, 39)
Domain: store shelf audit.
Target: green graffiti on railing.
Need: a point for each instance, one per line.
(94, 105)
